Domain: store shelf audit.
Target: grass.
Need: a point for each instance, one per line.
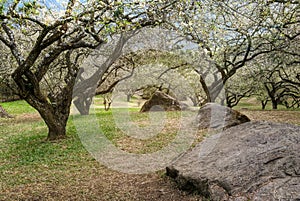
(254, 104)
(32, 168)
(25, 154)
(143, 141)
(18, 107)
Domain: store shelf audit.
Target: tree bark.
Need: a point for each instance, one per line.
(264, 104)
(205, 88)
(83, 105)
(128, 97)
(54, 109)
(55, 114)
(274, 104)
(56, 129)
(85, 89)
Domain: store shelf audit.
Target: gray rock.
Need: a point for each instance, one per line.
(252, 161)
(160, 101)
(215, 116)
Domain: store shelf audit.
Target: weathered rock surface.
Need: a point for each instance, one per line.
(215, 116)
(252, 161)
(161, 101)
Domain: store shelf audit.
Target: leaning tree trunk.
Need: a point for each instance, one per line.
(83, 94)
(83, 105)
(215, 92)
(206, 89)
(264, 104)
(85, 88)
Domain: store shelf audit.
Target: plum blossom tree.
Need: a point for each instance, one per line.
(234, 33)
(47, 43)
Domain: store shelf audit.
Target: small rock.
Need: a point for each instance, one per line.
(160, 101)
(215, 116)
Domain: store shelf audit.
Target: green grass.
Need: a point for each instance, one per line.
(18, 107)
(26, 156)
(28, 159)
(120, 138)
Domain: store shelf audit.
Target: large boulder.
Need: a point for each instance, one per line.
(215, 116)
(161, 101)
(252, 161)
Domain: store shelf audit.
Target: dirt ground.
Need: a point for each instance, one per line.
(291, 117)
(103, 185)
(95, 182)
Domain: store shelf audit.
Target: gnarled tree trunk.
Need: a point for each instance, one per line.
(85, 88)
(274, 103)
(53, 108)
(56, 116)
(55, 111)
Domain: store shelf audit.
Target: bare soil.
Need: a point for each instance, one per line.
(96, 182)
(291, 117)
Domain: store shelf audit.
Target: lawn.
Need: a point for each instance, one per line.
(35, 169)
(32, 168)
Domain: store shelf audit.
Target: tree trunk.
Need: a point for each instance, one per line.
(206, 90)
(83, 105)
(274, 104)
(85, 88)
(128, 96)
(56, 130)
(215, 90)
(55, 115)
(54, 109)
(272, 94)
(264, 104)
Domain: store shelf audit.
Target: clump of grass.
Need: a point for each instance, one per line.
(18, 107)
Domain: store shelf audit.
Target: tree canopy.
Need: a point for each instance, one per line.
(41, 40)
(43, 45)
